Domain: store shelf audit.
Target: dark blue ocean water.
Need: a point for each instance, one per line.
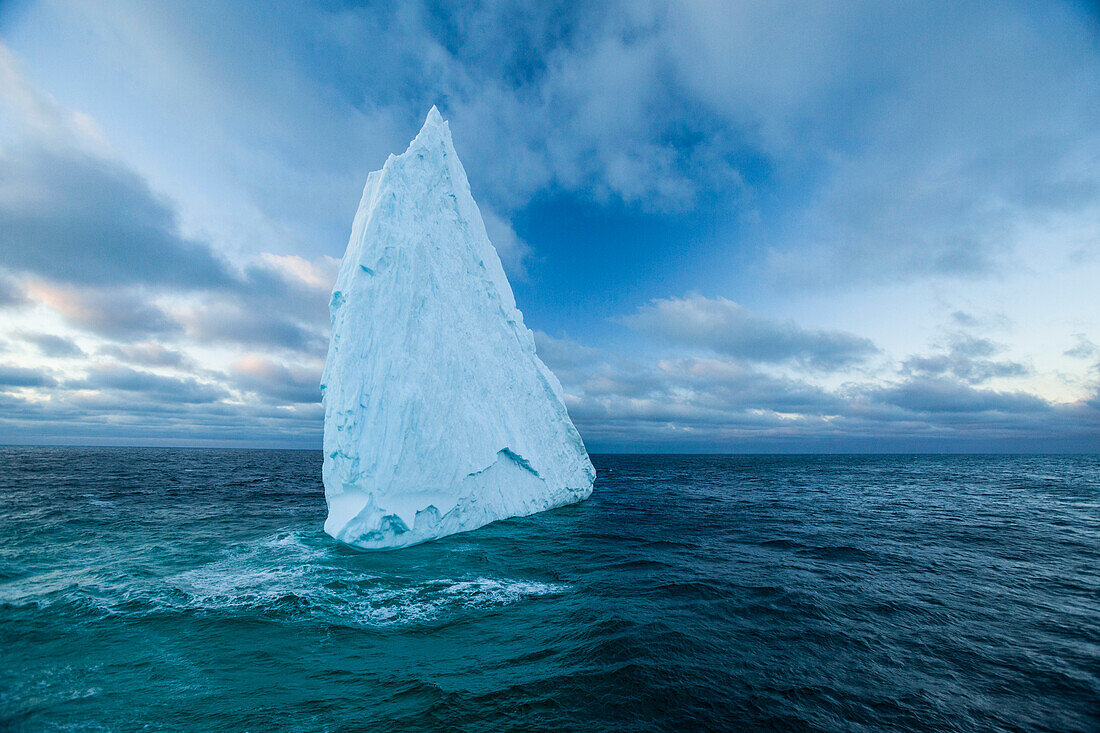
(145, 589)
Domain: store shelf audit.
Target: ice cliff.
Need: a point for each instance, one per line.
(439, 416)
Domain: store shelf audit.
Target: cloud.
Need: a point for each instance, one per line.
(114, 314)
(618, 402)
(51, 345)
(511, 248)
(279, 300)
(318, 275)
(148, 354)
(11, 376)
(288, 286)
(725, 327)
(73, 217)
(923, 395)
(281, 303)
(574, 97)
(242, 324)
(174, 389)
(891, 160)
(88, 237)
(699, 391)
(720, 404)
(11, 293)
(964, 319)
(278, 383)
(27, 110)
(564, 353)
(1084, 349)
(864, 144)
(896, 114)
(967, 358)
(136, 418)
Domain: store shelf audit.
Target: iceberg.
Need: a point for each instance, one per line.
(439, 415)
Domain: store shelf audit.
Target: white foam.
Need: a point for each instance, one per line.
(286, 570)
(291, 576)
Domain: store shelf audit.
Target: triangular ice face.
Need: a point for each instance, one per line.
(439, 417)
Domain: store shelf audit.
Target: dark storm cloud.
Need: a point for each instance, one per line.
(51, 345)
(726, 327)
(71, 216)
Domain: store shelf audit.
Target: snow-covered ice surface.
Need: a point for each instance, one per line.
(439, 416)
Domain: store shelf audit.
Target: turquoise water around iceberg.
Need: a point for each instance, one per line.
(146, 589)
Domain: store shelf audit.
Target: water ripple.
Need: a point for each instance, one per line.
(193, 590)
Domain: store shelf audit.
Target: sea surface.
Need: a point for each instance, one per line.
(150, 589)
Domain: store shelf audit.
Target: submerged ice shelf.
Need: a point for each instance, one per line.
(439, 416)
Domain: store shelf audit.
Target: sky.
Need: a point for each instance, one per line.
(732, 226)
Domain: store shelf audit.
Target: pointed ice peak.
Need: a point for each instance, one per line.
(439, 415)
(435, 128)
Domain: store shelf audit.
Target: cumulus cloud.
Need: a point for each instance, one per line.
(726, 327)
